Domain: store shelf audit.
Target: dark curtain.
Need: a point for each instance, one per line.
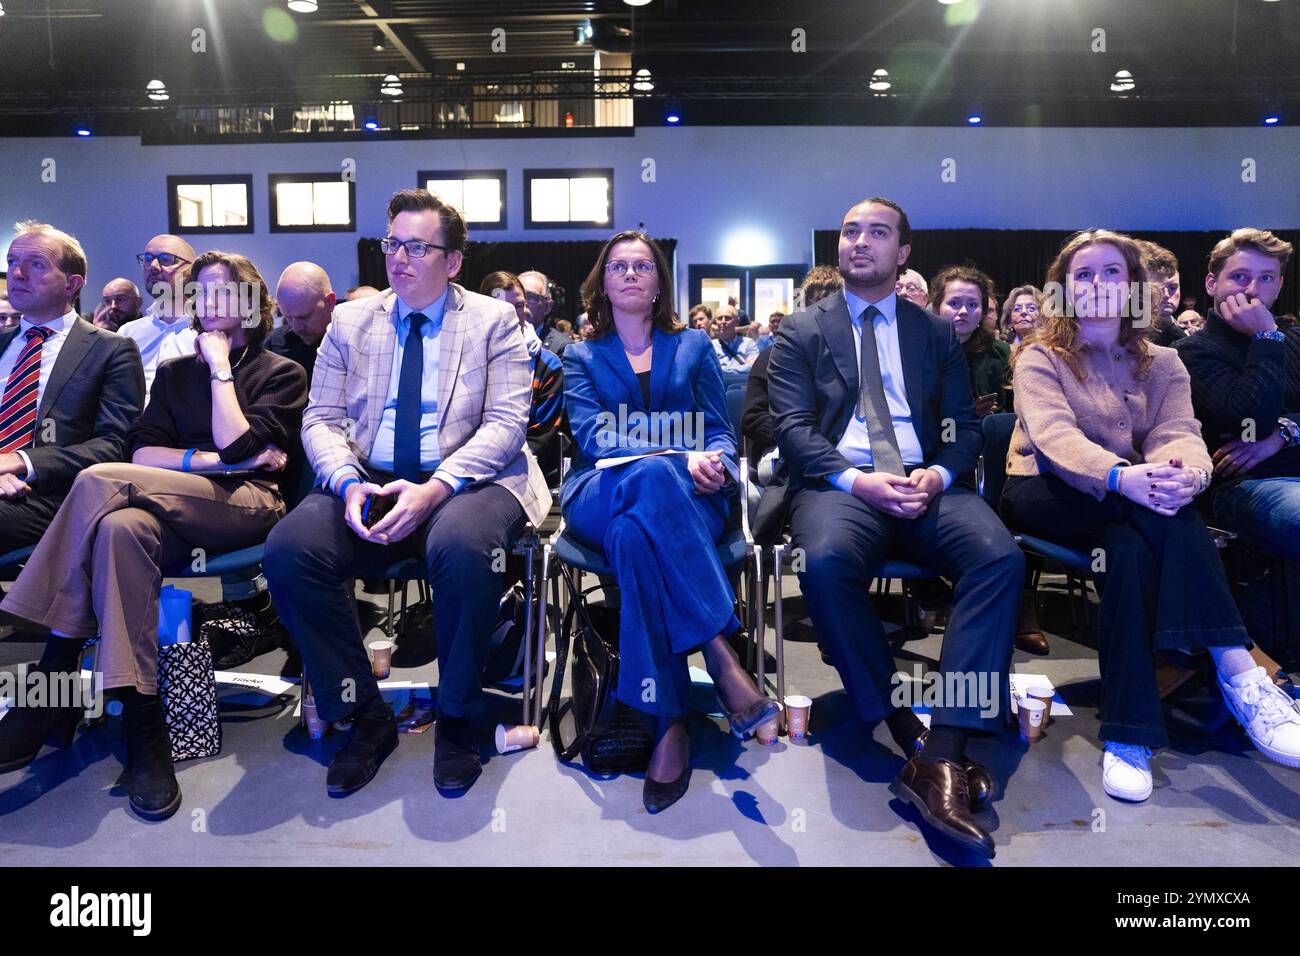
(566, 263)
(1014, 257)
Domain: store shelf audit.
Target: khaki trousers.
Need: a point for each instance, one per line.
(98, 568)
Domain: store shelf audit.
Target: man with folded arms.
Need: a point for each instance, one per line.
(419, 402)
(1245, 376)
(872, 407)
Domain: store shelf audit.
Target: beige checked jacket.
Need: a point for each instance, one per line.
(484, 389)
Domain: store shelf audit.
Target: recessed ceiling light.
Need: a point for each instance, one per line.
(157, 91)
(880, 81)
(974, 119)
(1272, 120)
(303, 6)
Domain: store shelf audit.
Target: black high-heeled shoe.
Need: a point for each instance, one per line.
(25, 730)
(659, 796)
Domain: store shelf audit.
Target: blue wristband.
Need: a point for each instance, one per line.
(185, 462)
(1112, 479)
(1273, 335)
(349, 480)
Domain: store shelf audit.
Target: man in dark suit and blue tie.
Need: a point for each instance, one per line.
(872, 408)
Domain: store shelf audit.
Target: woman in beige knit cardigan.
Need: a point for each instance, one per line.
(1107, 456)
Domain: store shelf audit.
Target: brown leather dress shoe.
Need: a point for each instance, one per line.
(939, 791)
(979, 780)
(1029, 636)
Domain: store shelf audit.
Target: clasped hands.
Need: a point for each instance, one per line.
(903, 497)
(1165, 489)
(415, 502)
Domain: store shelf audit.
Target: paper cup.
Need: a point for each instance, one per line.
(512, 737)
(798, 709)
(1046, 695)
(381, 659)
(1032, 713)
(767, 732)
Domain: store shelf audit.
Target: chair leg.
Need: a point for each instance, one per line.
(529, 598)
(388, 620)
(541, 636)
(778, 554)
(756, 607)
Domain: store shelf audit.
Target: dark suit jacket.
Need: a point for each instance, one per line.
(756, 419)
(684, 378)
(94, 393)
(813, 393)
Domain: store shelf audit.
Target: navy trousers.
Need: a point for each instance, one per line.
(844, 542)
(312, 557)
(659, 536)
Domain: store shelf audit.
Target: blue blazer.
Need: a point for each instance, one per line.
(599, 383)
(813, 389)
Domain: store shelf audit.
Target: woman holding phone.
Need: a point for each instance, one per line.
(208, 457)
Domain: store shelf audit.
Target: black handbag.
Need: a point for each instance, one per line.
(610, 736)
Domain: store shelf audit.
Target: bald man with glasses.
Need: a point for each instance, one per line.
(164, 330)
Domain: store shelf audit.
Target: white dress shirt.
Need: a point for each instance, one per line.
(158, 341)
(856, 443)
(49, 355)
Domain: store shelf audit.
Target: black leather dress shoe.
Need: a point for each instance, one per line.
(939, 792)
(979, 780)
(456, 763)
(357, 761)
(659, 796)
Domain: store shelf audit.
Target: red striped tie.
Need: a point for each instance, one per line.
(18, 407)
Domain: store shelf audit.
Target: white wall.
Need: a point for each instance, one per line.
(745, 195)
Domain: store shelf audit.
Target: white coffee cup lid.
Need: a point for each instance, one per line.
(382, 646)
(798, 700)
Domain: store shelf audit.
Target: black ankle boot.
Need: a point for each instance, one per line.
(24, 730)
(150, 777)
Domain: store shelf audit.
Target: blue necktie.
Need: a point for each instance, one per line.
(406, 437)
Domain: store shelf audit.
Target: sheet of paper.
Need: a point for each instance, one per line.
(628, 459)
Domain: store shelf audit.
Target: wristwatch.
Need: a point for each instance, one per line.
(222, 375)
(1289, 431)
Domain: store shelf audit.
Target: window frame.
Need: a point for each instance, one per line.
(531, 174)
(424, 175)
(210, 179)
(275, 179)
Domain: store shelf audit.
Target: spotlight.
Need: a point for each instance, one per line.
(673, 112)
(1272, 120)
(371, 124)
(879, 81)
(157, 91)
(642, 82)
(303, 6)
(1123, 82)
(82, 129)
(974, 119)
(391, 86)
(377, 41)
(636, 3)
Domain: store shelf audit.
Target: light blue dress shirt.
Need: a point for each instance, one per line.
(856, 443)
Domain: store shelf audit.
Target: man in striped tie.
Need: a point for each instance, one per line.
(70, 390)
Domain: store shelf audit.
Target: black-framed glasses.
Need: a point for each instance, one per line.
(165, 259)
(642, 267)
(415, 248)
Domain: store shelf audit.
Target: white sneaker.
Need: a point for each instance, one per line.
(1270, 716)
(1126, 771)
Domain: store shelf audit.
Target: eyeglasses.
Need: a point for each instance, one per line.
(165, 259)
(534, 298)
(415, 248)
(1023, 309)
(911, 287)
(642, 267)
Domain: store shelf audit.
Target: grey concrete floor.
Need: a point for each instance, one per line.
(263, 800)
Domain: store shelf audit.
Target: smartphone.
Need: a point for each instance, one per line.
(986, 398)
(375, 507)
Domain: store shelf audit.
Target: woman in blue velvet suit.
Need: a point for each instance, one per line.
(644, 383)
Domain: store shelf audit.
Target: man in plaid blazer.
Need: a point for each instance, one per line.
(419, 408)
